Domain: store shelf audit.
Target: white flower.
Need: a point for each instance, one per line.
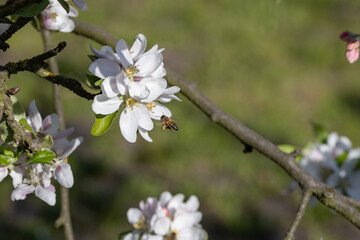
(56, 18)
(124, 70)
(39, 182)
(169, 218)
(49, 126)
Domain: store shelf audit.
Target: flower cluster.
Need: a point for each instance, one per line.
(56, 18)
(166, 218)
(133, 82)
(32, 172)
(352, 46)
(335, 163)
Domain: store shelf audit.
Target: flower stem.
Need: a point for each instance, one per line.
(65, 215)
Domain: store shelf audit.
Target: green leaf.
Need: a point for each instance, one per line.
(6, 133)
(33, 9)
(26, 124)
(43, 156)
(93, 57)
(98, 83)
(65, 5)
(87, 79)
(102, 123)
(7, 157)
(18, 110)
(287, 148)
(47, 142)
(320, 132)
(123, 234)
(340, 159)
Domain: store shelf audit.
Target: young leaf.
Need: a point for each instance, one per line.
(87, 79)
(33, 9)
(26, 124)
(287, 148)
(7, 157)
(123, 234)
(47, 142)
(6, 133)
(320, 132)
(92, 57)
(340, 159)
(18, 110)
(102, 123)
(43, 156)
(65, 5)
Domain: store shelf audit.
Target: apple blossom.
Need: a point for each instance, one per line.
(169, 218)
(56, 18)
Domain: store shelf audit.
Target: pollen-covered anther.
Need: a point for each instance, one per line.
(140, 224)
(131, 101)
(172, 235)
(53, 15)
(131, 71)
(150, 106)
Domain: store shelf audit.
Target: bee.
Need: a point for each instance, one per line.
(167, 123)
(13, 91)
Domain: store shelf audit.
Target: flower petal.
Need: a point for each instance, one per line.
(71, 146)
(47, 194)
(134, 215)
(3, 173)
(142, 116)
(63, 133)
(51, 124)
(158, 111)
(105, 105)
(109, 87)
(145, 134)
(34, 117)
(17, 176)
(21, 191)
(162, 226)
(148, 64)
(138, 90)
(123, 53)
(64, 175)
(128, 125)
(139, 45)
(103, 68)
(156, 86)
(81, 4)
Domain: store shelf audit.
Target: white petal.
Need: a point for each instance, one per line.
(104, 105)
(51, 124)
(148, 64)
(162, 226)
(139, 45)
(123, 53)
(192, 204)
(122, 81)
(21, 191)
(138, 90)
(145, 134)
(156, 86)
(67, 26)
(64, 175)
(81, 4)
(332, 139)
(159, 72)
(73, 12)
(63, 133)
(73, 144)
(165, 197)
(109, 87)
(17, 176)
(96, 52)
(47, 194)
(35, 116)
(158, 111)
(3, 173)
(191, 233)
(354, 189)
(134, 215)
(168, 94)
(135, 235)
(176, 201)
(142, 116)
(4, 27)
(103, 68)
(128, 125)
(151, 237)
(186, 220)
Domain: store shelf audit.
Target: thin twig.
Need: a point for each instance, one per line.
(325, 193)
(300, 214)
(12, 7)
(65, 215)
(14, 27)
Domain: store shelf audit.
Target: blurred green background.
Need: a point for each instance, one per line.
(276, 65)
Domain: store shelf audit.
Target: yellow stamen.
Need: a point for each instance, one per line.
(132, 101)
(131, 72)
(151, 105)
(53, 15)
(140, 224)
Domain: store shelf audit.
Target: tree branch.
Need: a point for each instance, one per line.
(300, 213)
(12, 7)
(65, 215)
(14, 27)
(325, 193)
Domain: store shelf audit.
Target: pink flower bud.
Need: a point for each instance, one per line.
(352, 55)
(346, 36)
(352, 45)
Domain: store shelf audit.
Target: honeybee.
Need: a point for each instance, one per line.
(167, 123)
